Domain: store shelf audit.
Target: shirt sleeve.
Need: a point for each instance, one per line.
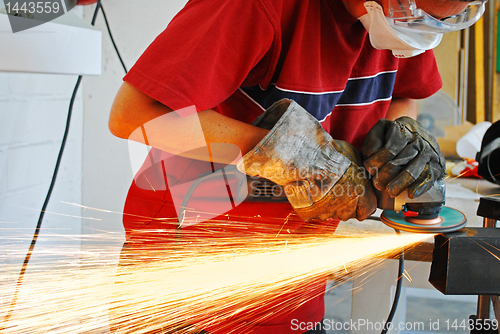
(418, 77)
(204, 54)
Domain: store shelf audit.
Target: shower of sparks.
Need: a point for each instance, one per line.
(491, 253)
(450, 177)
(407, 275)
(55, 213)
(194, 283)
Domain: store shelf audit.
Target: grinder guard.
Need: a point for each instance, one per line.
(426, 206)
(423, 214)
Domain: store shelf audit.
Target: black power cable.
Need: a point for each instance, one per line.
(112, 39)
(49, 192)
(398, 290)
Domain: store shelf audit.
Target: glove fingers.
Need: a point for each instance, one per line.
(375, 139)
(397, 138)
(390, 171)
(421, 185)
(425, 181)
(416, 169)
(409, 159)
(364, 203)
(426, 139)
(405, 180)
(341, 201)
(367, 203)
(386, 175)
(346, 211)
(376, 162)
(334, 205)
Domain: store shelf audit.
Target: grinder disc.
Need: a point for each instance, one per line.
(451, 220)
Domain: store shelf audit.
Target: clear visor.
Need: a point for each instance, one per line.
(405, 14)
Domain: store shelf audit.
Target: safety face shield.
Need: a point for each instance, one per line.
(403, 42)
(405, 14)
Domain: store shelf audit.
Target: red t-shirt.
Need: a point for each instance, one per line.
(238, 57)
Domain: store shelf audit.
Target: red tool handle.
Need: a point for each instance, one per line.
(86, 2)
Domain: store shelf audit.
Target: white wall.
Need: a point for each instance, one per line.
(107, 173)
(33, 110)
(95, 170)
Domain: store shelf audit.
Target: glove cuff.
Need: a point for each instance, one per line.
(287, 151)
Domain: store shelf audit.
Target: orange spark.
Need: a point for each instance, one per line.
(192, 284)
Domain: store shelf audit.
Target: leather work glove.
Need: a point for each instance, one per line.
(322, 178)
(401, 155)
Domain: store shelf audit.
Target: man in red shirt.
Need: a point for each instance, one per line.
(320, 74)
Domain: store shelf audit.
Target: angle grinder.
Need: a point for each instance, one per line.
(423, 214)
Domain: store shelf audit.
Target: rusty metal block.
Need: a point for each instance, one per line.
(467, 262)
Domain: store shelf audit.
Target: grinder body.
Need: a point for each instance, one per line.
(423, 214)
(426, 206)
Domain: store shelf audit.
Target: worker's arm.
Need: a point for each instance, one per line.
(136, 116)
(303, 155)
(402, 107)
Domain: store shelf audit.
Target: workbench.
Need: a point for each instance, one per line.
(373, 290)
(462, 194)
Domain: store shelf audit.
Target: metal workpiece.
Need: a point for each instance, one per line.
(489, 208)
(467, 262)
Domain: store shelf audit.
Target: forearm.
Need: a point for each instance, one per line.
(402, 107)
(136, 116)
(189, 136)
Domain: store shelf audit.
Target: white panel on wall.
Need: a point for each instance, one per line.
(33, 109)
(66, 45)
